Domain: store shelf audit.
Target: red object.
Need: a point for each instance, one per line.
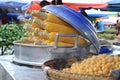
(34, 6)
(77, 6)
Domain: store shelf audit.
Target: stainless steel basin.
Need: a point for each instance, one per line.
(4, 74)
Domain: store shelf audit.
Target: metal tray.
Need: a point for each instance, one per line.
(78, 22)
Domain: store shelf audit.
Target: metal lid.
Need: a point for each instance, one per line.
(77, 20)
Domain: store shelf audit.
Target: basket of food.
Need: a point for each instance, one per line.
(96, 67)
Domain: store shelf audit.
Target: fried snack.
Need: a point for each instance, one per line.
(96, 65)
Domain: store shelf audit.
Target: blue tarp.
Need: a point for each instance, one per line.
(111, 9)
(97, 15)
(113, 5)
(113, 1)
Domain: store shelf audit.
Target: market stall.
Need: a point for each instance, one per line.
(53, 40)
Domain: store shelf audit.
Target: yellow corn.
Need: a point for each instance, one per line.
(52, 43)
(61, 44)
(30, 20)
(36, 37)
(38, 42)
(50, 17)
(36, 23)
(26, 40)
(53, 27)
(24, 20)
(54, 19)
(28, 27)
(71, 40)
(47, 41)
(39, 33)
(28, 34)
(39, 14)
(52, 35)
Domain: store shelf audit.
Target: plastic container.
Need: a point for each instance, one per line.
(105, 49)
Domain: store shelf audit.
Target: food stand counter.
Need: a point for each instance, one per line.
(12, 71)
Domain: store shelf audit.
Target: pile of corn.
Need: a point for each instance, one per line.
(42, 28)
(96, 65)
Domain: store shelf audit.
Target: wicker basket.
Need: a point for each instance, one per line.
(55, 73)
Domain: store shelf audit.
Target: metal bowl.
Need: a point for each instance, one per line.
(30, 54)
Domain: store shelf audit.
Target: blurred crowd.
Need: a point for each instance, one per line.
(3, 16)
(9, 17)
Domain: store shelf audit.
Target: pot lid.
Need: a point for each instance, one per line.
(77, 20)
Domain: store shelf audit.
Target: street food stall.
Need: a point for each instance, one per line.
(56, 37)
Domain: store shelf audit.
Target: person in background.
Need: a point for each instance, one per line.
(53, 2)
(59, 2)
(1, 11)
(118, 27)
(82, 11)
(44, 3)
(4, 17)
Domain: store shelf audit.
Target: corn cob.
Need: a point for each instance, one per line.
(28, 34)
(54, 19)
(30, 20)
(28, 27)
(24, 20)
(36, 23)
(61, 44)
(39, 33)
(52, 43)
(53, 27)
(26, 40)
(50, 17)
(38, 42)
(39, 14)
(52, 35)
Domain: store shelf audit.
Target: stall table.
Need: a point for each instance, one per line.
(12, 71)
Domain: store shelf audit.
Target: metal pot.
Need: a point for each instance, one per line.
(38, 54)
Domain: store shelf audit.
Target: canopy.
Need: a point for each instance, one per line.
(11, 6)
(95, 13)
(76, 4)
(114, 2)
(113, 5)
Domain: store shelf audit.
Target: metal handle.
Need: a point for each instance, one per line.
(66, 35)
